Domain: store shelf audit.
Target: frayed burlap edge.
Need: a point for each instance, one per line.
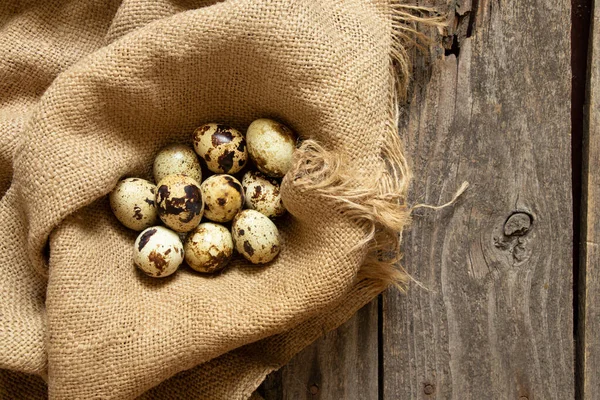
(377, 202)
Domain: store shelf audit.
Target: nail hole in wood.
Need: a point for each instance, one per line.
(429, 389)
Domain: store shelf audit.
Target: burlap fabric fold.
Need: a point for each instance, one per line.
(91, 90)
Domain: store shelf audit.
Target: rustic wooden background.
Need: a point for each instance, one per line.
(499, 103)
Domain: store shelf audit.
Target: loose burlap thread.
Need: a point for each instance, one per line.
(91, 90)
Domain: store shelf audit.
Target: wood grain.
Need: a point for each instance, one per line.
(496, 320)
(589, 301)
(341, 365)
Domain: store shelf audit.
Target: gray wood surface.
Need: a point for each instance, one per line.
(496, 320)
(589, 301)
(341, 365)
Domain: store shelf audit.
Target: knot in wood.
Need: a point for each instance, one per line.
(314, 389)
(518, 224)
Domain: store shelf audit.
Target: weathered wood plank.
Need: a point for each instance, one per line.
(496, 322)
(341, 365)
(589, 301)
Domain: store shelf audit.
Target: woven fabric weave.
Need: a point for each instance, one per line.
(91, 90)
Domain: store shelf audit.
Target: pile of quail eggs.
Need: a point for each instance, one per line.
(237, 215)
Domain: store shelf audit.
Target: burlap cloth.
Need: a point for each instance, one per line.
(91, 89)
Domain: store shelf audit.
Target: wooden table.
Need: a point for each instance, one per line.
(499, 315)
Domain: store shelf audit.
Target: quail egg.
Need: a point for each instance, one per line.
(223, 197)
(255, 236)
(177, 159)
(262, 194)
(208, 248)
(270, 146)
(158, 251)
(179, 202)
(222, 147)
(132, 202)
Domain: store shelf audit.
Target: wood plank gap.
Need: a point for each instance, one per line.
(380, 345)
(580, 33)
(473, 19)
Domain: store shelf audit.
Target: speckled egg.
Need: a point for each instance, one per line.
(262, 194)
(158, 251)
(255, 236)
(270, 146)
(179, 202)
(177, 159)
(223, 197)
(208, 248)
(222, 147)
(132, 202)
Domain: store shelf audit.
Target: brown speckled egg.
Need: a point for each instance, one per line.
(132, 202)
(177, 159)
(179, 202)
(208, 248)
(255, 236)
(262, 194)
(270, 146)
(158, 252)
(223, 197)
(222, 147)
